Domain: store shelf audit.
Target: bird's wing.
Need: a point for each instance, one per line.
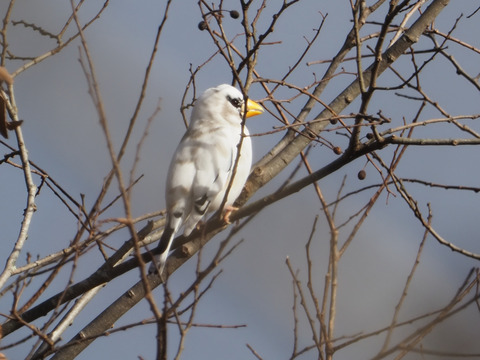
(213, 158)
(198, 174)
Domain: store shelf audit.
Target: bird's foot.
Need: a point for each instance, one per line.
(228, 211)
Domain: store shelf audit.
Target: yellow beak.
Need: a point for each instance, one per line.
(253, 108)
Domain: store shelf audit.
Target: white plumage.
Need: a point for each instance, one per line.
(202, 166)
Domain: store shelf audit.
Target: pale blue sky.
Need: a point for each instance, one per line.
(63, 137)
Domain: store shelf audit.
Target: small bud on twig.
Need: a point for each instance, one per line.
(337, 150)
(5, 76)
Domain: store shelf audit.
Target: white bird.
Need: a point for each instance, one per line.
(204, 162)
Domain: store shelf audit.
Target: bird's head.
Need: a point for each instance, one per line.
(228, 102)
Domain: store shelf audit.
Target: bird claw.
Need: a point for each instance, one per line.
(228, 211)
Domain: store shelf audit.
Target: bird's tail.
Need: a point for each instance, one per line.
(158, 263)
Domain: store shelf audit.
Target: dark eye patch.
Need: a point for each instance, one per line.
(236, 102)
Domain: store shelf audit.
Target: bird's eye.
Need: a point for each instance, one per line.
(236, 102)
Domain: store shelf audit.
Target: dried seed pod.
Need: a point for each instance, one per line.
(202, 25)
(362, 174)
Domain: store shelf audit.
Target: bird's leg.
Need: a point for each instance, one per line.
(227, 212)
